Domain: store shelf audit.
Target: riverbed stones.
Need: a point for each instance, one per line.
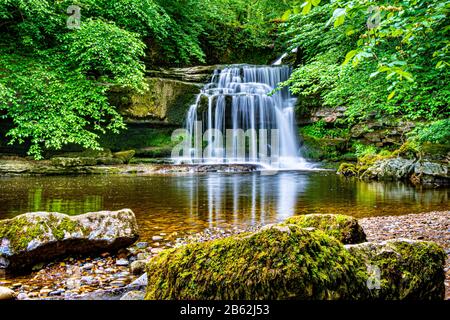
(37, 237)
(344, 228)
(7, 294)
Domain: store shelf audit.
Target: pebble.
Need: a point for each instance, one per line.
(142, 245)
(156, 250)
(122, 262)
(157, 238)
(133, 295)
(138, 267)
(44, 292)
(22, 296)
(87, 266)
(6, 294)
(142, 256)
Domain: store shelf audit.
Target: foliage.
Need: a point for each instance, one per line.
(319, 130)
(55, 81)
(346, 50)
(434, 132)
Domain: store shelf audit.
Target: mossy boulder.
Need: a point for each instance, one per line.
(125, 156)
(286, 261)
(42, 236)
(407, 269)
(347, 169)
(346, 229)
(278, 262)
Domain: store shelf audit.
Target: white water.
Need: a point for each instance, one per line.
(241, 97)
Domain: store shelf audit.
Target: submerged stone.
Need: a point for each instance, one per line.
(43, 236)
(344, 228)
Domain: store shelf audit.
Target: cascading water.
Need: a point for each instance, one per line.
(242, 99)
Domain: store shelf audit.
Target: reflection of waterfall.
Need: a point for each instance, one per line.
(243, 120)
(244, 199)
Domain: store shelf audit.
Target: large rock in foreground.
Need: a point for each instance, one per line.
(286, 261)
(344, 228)
(278, 262)
(41, 236)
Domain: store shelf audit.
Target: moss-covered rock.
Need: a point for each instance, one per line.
(41, 236)
(125, 156)
(278, 262)
(347, 169)
(346, 229)
(286, 261)
(407, 269)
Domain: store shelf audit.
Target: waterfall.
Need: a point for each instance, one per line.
(242, 119)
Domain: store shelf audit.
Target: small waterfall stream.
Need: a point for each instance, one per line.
(239, 109)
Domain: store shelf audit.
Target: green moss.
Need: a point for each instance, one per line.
(125, 156)
(283, 262)
(347, 169)
(408, 269)
(20, 231)
(346, 229)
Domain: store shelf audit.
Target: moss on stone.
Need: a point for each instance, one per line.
(278, 262)
(347, 169)
(346, 229)
(125, 156)
(20, 231)
(408, 269)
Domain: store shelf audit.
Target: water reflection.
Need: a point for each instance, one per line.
(193, 202)
(220, 198)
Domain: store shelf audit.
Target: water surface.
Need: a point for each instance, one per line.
(192, 202)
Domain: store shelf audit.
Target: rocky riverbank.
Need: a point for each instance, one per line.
(114, 275)
(72, 166)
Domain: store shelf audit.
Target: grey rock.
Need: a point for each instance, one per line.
(53, 235)
(142, 245)
(122, 262)
(390, 169)
(138, 267)
(7, 294)
(133, 295)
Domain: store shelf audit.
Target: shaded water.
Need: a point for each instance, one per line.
(190, 203)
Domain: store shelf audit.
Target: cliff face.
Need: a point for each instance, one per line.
(169, 94)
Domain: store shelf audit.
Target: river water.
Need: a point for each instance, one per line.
(193, 202)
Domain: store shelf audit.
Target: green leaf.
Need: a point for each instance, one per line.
(306, 7)
(349, 56)
(286, 15)
(391, 95)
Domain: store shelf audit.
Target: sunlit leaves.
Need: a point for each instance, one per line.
(338, 17)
